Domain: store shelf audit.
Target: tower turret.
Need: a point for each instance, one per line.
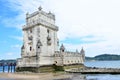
(62, 48)
(82, 52)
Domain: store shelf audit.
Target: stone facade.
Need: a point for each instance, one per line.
(41, 45)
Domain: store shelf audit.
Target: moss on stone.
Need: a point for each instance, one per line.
(30, 69)
(74, 66)
(58, 68)
(49, 68)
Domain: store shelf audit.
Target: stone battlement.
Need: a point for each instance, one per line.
(39, 22)
(49, 14)
(66, 58)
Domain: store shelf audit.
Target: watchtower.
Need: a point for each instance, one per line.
(40, 38)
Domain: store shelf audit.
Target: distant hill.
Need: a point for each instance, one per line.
(103, 57)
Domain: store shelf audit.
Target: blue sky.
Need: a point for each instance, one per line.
(91, 24)
(9, 33)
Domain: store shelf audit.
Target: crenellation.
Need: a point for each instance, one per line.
(41, 14)
(31, 15)
(40, 22)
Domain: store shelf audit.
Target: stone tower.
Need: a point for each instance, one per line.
(40, 45)
(40, 39)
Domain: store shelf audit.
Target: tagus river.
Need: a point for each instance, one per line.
(100, 64)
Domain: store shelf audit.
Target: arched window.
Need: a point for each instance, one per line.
(30, 48)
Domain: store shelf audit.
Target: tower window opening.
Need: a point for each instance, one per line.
(30, 48)
(48, 30)
(38, 46)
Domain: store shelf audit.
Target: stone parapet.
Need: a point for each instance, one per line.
(49, 15)
(40, 22)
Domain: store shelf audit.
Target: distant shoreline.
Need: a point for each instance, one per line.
(99, 60)
(103, 57)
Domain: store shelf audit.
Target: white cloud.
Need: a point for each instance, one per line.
(20, 38)
(79, 18)
(16, 46)
(9, 54)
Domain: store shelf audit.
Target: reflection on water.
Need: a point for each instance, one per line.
(74, 77)
(102, 77)
(78, 77)
(6, 69)
(92, 77)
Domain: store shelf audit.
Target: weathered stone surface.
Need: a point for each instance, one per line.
(40, 43)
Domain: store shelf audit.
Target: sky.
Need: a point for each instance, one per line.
(91, 24)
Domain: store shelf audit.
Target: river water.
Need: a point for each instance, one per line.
(103, 64)
(100, 64)
(6, 69)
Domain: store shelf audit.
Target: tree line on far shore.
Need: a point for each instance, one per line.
(6, 62)
(103, 57)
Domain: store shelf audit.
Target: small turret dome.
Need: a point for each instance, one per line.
(39, 8)
(39, 43)
(82, 50)
(62, 48)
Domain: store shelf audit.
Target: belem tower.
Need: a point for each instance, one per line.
(41, 45)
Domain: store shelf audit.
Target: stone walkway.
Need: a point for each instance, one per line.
(94, 70)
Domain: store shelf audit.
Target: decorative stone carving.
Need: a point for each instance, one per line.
(38, 32)
(39, 43)
(40, 8)
(57, 42)
(38, 47)
(62, 48)
(82, 51)
(41, 21)
(48, 37)
(30, 38)
(49, 40)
